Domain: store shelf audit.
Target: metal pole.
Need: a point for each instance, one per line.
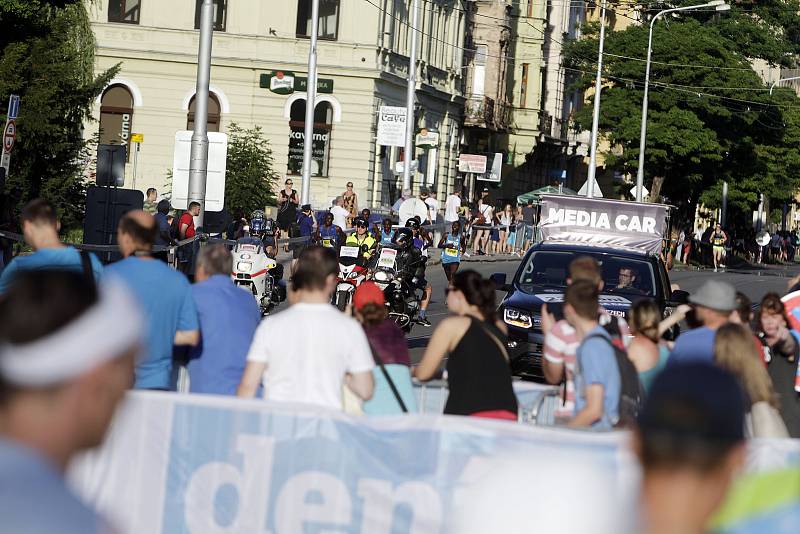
(311, 99)
(724, 213)
(598, 85)
(411, 90)
(198, 163)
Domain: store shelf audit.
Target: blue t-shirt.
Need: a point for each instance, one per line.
(35, 499)
(166, 299)
(229, 317)
(694, 346)
(452, 249)
(306, 223)
(65, 259)
(598, 365)
(386, 237)
(329, 236)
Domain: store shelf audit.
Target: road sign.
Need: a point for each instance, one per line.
(13, 107)
(9, 136)
(472, 163)
(493, 174)
(217, 165)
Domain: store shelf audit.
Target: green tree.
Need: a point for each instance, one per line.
(711, 117)
(47, 57)
(250, 175)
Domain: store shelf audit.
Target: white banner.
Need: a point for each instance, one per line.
(203, 464)
(392, 126)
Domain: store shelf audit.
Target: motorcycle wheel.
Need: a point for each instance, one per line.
(342, 299)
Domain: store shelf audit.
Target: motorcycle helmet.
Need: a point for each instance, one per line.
(412, 223)
(257, 226)
(269, 226)
(403, 237)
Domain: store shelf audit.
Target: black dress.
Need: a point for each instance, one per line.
(478, 374)
(287, 210)
(782, 371)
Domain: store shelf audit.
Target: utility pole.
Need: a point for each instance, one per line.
(311, 99)
(598, 86)
(198, 162)
(411, 90)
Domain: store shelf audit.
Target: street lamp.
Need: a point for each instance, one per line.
(718, 5)
(772, 87)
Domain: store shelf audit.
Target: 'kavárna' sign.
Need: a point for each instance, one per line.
(603, 222)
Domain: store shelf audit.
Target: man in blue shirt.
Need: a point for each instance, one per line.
(40, 227)
(713, 304)
(597, 379)
(164, 294)
(229, 317)
(64, 374)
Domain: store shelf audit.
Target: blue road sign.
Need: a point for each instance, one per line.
(13, 107)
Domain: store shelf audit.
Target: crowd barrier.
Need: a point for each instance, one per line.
(197, 464)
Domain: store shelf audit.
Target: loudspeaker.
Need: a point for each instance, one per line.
(111, 165)
(105, 206)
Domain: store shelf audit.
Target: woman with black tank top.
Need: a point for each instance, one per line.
(478, 371)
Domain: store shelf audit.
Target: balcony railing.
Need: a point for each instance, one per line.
(485, 112)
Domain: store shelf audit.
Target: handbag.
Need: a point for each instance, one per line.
(388, 378)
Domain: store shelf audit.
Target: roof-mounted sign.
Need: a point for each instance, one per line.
(613, 223)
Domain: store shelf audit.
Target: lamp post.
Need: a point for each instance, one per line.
(718, 5)
(411, 90)
(598, 86)
(776, 82)
(311, 100)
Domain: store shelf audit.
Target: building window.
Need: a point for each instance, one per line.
(479, 70)
(328, 19)
(116, 116)
(220, 14)
(321, 144)
(523, 93)
(126, 11)
(213, 114)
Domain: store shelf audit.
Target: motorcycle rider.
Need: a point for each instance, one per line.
(422, 239)
(329, 235)
(411, 265)
(267, 231)
(362, 239)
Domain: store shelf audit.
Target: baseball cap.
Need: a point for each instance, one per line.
(485, 189)
(305, 207)
(695, 401)
(368, 293)
(716, 295)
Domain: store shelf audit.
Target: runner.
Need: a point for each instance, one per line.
(718, 240)
(452, 246)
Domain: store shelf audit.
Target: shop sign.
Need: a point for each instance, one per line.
(427, 139)
(319, 150)
(391, 126)
(280, 82)
(474, 163)
(324, 85)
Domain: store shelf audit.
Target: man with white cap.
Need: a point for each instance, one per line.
(713, 304)
(62, 376)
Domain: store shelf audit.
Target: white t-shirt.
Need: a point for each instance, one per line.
(433, 208)
(308, 350)
(340, 216)
(451, 206)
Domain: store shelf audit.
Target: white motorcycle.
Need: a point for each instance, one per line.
(351, 274)
(253, 271)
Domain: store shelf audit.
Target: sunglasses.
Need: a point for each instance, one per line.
(350, 186)
(362, 225)
(289, 183)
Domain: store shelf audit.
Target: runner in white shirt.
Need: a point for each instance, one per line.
(308, 352)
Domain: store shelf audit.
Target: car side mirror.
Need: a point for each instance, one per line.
(679, 296)
(499, 280)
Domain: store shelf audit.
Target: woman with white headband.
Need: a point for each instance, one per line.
(64, 367)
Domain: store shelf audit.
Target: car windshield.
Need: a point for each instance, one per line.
(620, 275)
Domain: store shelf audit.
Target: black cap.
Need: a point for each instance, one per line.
(305, 207)
(695, 401)
(485, 189)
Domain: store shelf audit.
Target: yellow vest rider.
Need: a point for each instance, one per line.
(362, 239)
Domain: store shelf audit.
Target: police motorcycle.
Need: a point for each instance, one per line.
(353, 269)
(402, 295)
(255, 268)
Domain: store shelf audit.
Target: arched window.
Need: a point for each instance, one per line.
(321, 145)
(116, 116)
(213, 114)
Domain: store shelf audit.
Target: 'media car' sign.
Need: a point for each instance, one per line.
(603, 222)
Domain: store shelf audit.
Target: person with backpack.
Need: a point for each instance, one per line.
(607, 387)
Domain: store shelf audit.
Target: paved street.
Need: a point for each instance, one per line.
(755, 284)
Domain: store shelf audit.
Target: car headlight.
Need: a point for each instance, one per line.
(244, 266)
(520, 319)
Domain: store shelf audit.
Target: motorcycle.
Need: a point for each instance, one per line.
(256, 272)
(402, 299)
(351, 273)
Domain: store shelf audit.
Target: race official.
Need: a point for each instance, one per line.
(163, 293)
(362, 239)
(228, 320)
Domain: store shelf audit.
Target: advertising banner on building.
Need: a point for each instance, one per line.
(475, 163)
(603, 222)
(197, 464)
(391, 126)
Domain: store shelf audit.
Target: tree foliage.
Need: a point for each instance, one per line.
(711, 117)
(250, 175)
(47, 57)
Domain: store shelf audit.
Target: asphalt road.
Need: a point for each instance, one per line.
(753, 283)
